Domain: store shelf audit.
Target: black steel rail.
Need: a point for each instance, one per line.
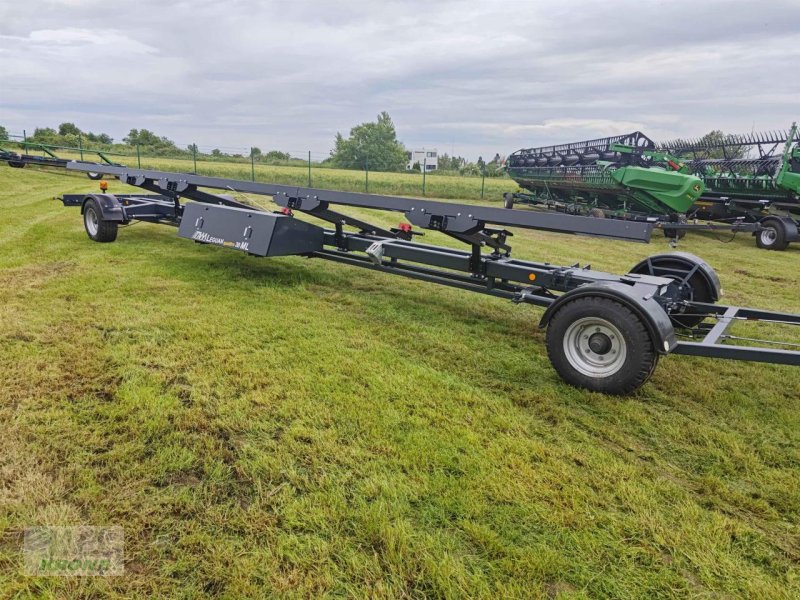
(454, 217)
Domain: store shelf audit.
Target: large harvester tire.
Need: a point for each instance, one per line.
(601, 345)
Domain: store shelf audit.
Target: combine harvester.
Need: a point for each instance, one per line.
(673, 186)
(605, 332)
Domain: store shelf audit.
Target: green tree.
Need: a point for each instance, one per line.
(44, 135)
(451, 163)
(255, 151)
(145, 137)
(3, 134)
(276, 156)
(374, 144)
(68, 128)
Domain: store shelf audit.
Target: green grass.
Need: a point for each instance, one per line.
(301, 428)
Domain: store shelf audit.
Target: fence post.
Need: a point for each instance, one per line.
(424, 171)
(80, 144)
(194, 156)
(138, 156)
(24, 141)
(252, 165)
(483, 181)
(309, 168)
(366, 174)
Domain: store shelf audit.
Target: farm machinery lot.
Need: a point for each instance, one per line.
(280, 426)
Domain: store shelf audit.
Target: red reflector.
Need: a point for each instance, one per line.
(405, 227)
(287, 211)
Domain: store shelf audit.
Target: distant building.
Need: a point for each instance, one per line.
(428, 158)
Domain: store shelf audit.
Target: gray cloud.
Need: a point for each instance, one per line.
(479, 77)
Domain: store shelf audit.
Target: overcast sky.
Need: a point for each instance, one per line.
(474, 77)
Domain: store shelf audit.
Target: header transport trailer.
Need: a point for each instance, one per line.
(744, 183)
(605, 332)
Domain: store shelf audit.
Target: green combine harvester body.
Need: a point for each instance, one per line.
(617, 174)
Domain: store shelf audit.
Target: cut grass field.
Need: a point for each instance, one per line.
(271, 427)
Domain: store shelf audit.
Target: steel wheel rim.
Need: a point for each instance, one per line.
(768, 236)
(92, 223)
(586, 360)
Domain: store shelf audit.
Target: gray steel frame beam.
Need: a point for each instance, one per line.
(625, 230)
(542, 275)
(751, 353)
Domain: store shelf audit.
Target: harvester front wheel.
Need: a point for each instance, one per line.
(508, 200)
(98, 229)
(598, 344)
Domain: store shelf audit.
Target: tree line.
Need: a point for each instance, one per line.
(371, 145)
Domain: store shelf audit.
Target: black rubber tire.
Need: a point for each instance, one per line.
(640, 360)
(674, 233)
(94, 176)
(597, 213)
(17, 164)
(508, 200)
(773, 236)
(98, 229)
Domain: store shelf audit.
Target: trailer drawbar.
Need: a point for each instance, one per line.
(605, 332)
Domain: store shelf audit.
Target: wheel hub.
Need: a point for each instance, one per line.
(595, 347)
(599, 343)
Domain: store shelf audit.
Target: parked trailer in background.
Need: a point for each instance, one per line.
(48, 158)
(605, 332)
